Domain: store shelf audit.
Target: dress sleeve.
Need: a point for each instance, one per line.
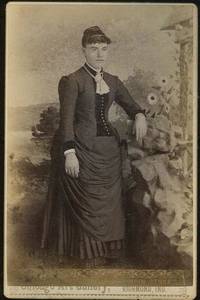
(68, 93)
(125, 100)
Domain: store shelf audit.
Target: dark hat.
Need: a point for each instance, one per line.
(94, 35)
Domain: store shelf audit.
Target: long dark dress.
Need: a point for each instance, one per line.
(84, 216)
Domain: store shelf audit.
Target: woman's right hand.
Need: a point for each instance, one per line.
(71, 164)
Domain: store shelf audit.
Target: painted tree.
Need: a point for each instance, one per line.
(48, 123)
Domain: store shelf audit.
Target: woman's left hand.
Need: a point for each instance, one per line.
(140, 127)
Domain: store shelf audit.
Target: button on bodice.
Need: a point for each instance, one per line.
(103, 127)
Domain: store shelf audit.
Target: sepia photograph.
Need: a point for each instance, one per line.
(100, 155)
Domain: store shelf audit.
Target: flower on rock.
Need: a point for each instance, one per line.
(152, 98)
(163, 81)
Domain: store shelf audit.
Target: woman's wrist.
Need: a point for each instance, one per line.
(69, 152)
(139, 115)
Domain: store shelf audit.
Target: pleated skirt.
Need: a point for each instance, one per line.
(73, 241)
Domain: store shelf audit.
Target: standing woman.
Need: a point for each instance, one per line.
(84, 214)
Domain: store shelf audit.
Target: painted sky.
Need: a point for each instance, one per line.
(44, 43)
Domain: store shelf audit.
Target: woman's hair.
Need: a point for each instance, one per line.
(94, 35)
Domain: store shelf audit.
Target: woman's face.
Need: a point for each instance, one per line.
(96, 54)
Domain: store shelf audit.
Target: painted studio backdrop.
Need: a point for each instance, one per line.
(152, 52)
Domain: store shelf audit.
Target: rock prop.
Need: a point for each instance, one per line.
(158, 191)
(160, 201)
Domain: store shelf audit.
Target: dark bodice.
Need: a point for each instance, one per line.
(84, 113)
(103, 126)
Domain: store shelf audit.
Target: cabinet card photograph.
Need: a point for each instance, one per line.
(100, 154)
